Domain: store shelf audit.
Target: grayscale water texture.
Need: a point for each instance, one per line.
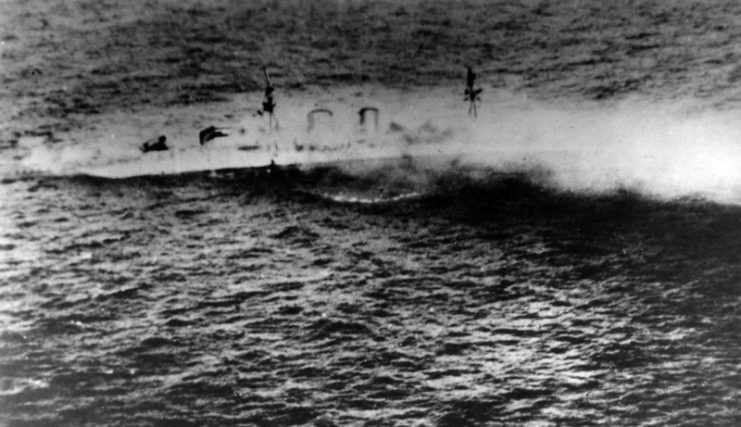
(492, 297)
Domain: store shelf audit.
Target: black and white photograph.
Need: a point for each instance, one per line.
(370, 213)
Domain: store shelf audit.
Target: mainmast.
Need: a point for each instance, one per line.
(472, 94)
(268, 105)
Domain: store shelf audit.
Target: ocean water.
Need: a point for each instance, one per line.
(574, 258)
(239, 298)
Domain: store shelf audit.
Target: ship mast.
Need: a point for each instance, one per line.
(472, 94)
(268, 105)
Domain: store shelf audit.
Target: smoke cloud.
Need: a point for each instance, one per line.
(663, 149)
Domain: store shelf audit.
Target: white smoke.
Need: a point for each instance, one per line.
(658, 149)
(663, 149)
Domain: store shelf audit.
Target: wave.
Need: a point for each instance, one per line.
(15, 386)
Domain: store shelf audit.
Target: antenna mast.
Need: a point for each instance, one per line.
(472, 94)
(268, 105)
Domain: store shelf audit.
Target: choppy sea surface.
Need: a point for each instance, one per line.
(239, 298)
(586, 271)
